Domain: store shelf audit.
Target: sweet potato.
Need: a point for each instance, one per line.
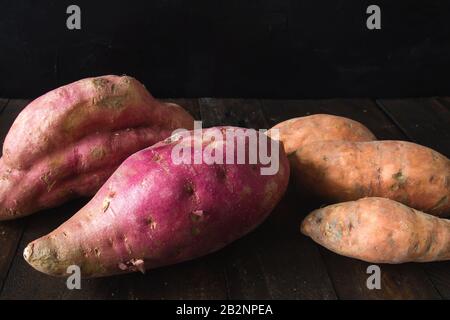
(298, 132)
(412, 174)
(379, 230)
(66, 143)
(154, 211)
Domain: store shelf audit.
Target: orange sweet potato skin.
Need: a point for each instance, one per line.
(412, 174)
(298, 132)
(379, 230)
(66, 143)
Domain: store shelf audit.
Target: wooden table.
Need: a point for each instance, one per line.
(273, 262)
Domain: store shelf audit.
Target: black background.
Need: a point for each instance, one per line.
(232, 48)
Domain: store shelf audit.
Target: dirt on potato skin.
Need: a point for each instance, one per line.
(379, 230)
(66, 143)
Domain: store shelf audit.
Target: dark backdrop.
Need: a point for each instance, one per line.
(230, 48)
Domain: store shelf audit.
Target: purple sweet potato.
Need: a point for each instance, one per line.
(66, 143)
(155, 211)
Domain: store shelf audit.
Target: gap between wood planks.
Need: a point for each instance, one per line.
(3, 103)
(425, 121)
(444, 101)
(274, 261)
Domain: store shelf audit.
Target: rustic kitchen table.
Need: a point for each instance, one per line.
(273, 262)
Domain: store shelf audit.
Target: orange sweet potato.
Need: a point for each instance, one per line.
(379, 230)
(403, 171)
(298, 132)
(66, 143)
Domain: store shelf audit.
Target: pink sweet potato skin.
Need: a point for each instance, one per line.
(66, 143)
(338, 171)
(379, 230)
(297, 132)
(152, 212)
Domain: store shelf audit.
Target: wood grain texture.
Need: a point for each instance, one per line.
(3, 103)
(244, 274)
(10, 231)
(349, 275)
(444, 101)
(425, 121)
(362, 110)
(274, 261)
(198, 279)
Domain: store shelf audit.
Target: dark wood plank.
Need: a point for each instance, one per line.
(445, 101)
(10, 231)
(399, 282)
(273, 261)
(423, 120)
(3, 103)
(362, 110)
(199, 279)
(349, 275)
(427, 122)
(243, 270)
(439, 273)
(23, 282)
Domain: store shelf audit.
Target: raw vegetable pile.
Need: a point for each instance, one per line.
(383, 184)
(107, 137)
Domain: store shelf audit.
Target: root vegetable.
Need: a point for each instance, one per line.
(412, 174)
(379, 230)
(154, 212)
(66, 143)
(297, 132)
